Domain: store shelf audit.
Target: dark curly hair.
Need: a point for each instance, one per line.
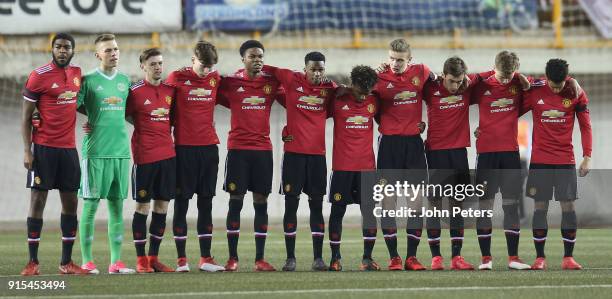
(363, 77)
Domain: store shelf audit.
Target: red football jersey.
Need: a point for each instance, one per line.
(193, 111)
(354, 133)
(448, 116)
(553, 125)
(307, 108)
(250, 102)
(401, 100)
(498, 108)
(149, 106)
(54, 90)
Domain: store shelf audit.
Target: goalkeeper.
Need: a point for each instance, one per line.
(106, 152)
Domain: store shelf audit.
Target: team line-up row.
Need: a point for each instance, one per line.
(175, 152)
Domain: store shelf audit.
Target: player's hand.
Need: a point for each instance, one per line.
(287, 138)
(422, 125)
(464, 85)
(342, 90)
(383, 67)
(87, 128)
(525, 84)
(477, 132)
(585, 166)
(28, 159)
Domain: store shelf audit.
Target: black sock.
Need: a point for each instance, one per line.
(483, 231)
(139, 233)
(179, 225)
(69, 226)
(414, 229)
(540, 230)
(456, 234)
(317, 226)
(389, 229)
(261, 229)
(335, 229)
(568, 232)
(233, 226)
(433, 235)
(369, 228)
(290, 223)
(156, 232)
(205, 225)
(34, 230)
(512, 225)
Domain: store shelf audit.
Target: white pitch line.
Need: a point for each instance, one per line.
(316, 291)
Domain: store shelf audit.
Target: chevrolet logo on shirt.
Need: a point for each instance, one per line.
(311, 100)
(553, 113)
(503, 102)
(405, 95)
(67, 95)
(113, 100)
(253, 100)
(451, 99)
(160, 112)
(200, 92)
(358, 120)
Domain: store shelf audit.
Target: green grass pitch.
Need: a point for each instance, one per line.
(593, 251)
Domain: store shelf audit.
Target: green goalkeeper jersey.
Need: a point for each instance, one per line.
(105, 99)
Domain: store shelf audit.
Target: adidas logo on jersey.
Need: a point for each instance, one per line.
(541, 102)
(54, 85)
(487, 93)
(346, 107)
(147, 102)
(300, 89)
(99, 88)
(437, 93)
(240, 89)
(390, 85)
(187, 82)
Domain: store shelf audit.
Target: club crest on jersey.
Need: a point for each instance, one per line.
(113, 100)
(76, 81)
(37, 180)
(533, 191)
(267, 89)
(121, 87)
(382, 182)
(212, 82)
(142, 193)
(231, 186)
(567, 103)
(415, 81)
(323, 92)
(513, 89)
(169, 100)
(288, 188)
(371, 108)
(337, 196)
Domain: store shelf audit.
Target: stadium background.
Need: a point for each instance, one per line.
(348, 32)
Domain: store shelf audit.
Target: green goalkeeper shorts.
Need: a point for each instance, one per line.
(104, 178)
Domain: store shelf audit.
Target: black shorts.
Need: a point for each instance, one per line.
(248, 170)
(303, 173)
(448, 167)
(544, 179)
(500, 171)
(405, 153)
(156, 180)
(351, 187)
(54, 168)
(197, 168)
